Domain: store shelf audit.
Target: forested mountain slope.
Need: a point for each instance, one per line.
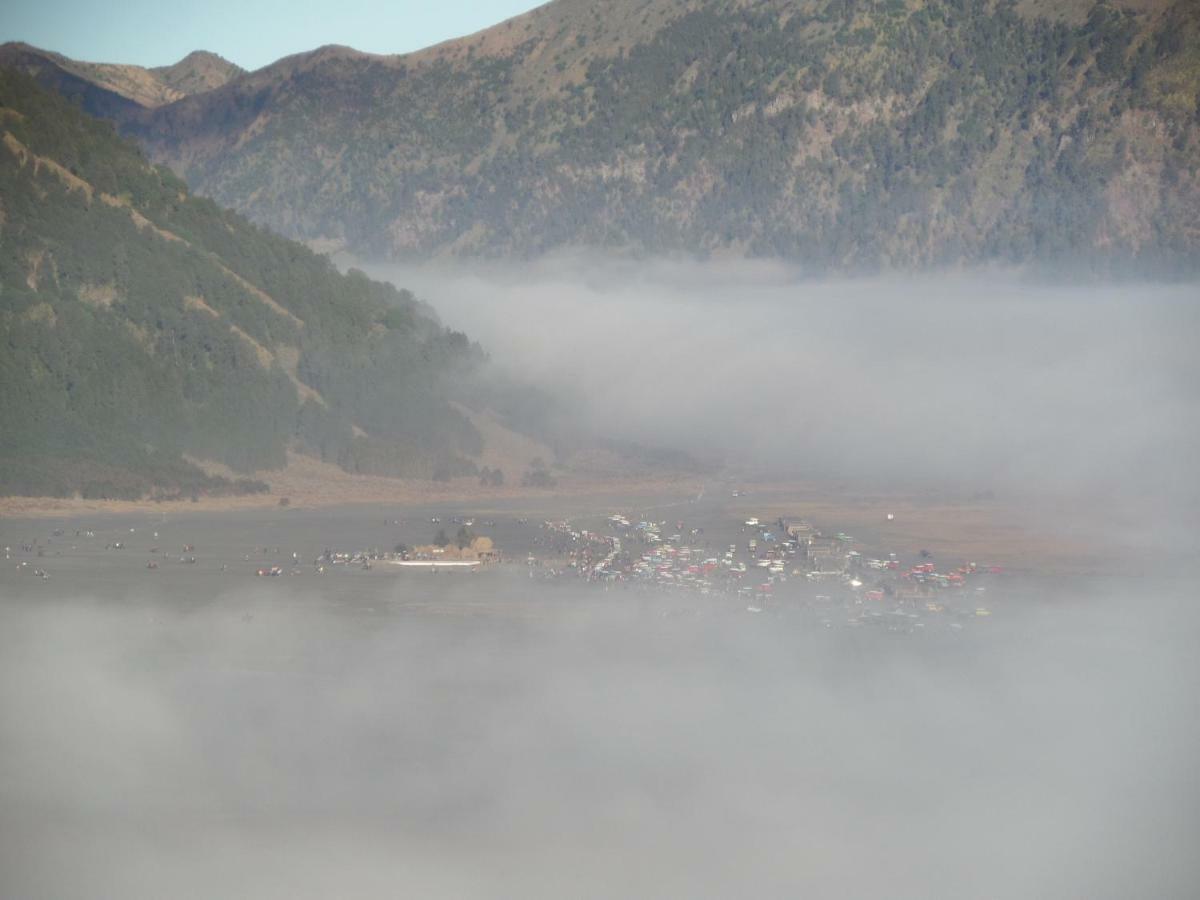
(139, 323)
(843, 133)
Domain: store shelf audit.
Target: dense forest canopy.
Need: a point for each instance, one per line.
(139, 323)
(846, 134)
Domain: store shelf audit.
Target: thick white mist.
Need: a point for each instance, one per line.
(974, 379)
(264, 744)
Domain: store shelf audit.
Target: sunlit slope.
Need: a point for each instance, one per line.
(118, 86)
(843, 134)
(138, 322)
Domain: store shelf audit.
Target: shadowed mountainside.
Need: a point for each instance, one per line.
(141, 323)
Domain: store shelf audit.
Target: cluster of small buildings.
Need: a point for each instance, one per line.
(786, 564)
(782, 566)
(362, 559)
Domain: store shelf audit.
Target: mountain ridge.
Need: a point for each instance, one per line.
(199, 71)
(845, 135)
(141, 86)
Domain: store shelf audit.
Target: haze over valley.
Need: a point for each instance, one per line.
(651, 448)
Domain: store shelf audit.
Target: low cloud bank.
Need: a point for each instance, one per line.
(264, 745)
(978, 381)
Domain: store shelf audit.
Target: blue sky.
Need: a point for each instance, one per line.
(251, 33)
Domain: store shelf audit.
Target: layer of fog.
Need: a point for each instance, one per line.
(271, 742)
(261, 745)
(980, 381)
